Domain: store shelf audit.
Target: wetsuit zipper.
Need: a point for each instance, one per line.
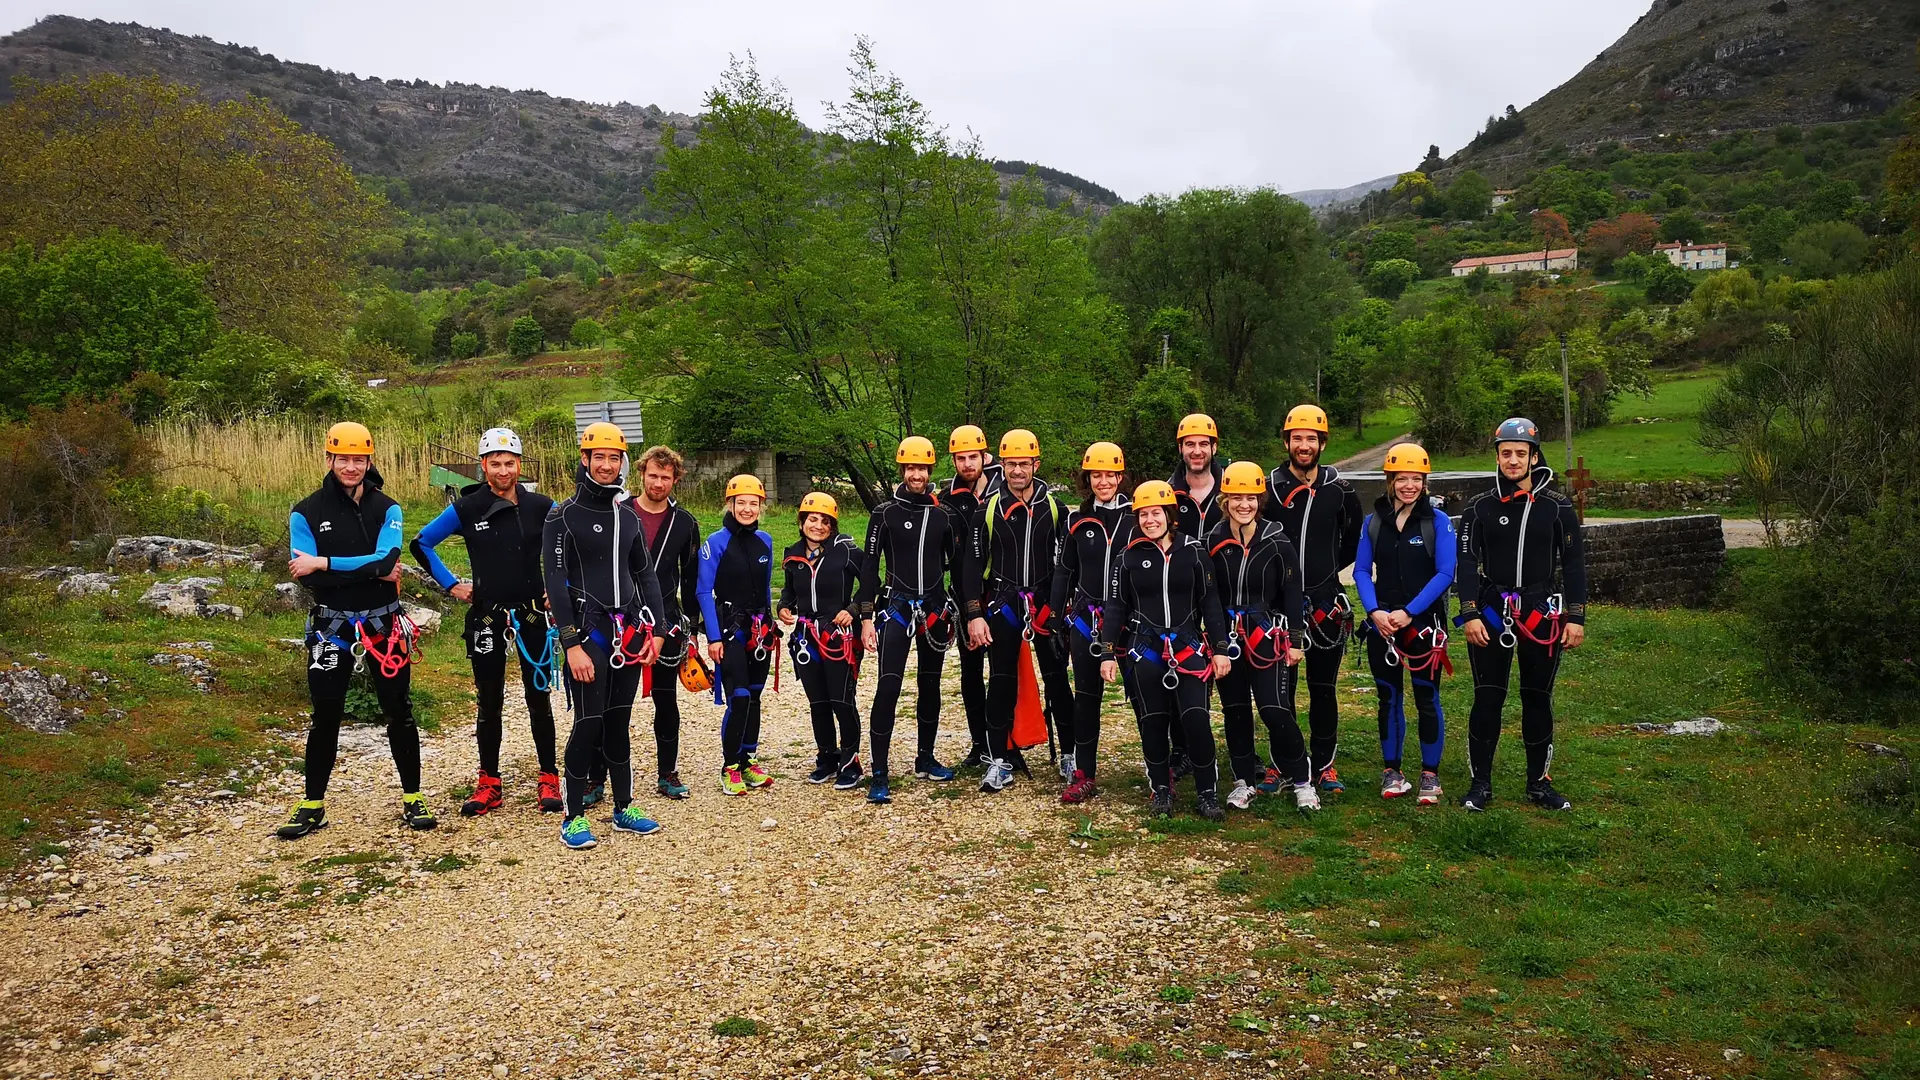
(920, 552)
(1520, 549)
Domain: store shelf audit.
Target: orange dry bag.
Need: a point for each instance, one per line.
(1029, 717)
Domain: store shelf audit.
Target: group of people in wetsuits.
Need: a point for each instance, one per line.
(1221, 574)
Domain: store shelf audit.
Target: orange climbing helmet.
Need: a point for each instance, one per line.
(1104, 457)
(1152, 493)
(819, 502)
(914, 450)
(1198, 424)
(603, 436)
(1020, 443)
(347, 437)
(1243, 478)
(1407, 457)
(1308, 418)
(966, 438)
(746, 484)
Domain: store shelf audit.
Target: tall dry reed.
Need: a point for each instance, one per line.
(268, 458)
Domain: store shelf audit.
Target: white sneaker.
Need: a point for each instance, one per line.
(1393, 784)
(999, 775)
(1241, 796)
(1067, 766)
(1305, 797)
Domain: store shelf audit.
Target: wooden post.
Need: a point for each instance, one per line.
(1581, 478)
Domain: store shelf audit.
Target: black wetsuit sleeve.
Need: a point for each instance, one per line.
(856, 567)
(973, 567)
(1467, 580)
(1352, 520)
(689, 572)
(1066, 571)
(1293, 600)
(1573, 564)
(870, 562)
(554, 568)
(1213, 617)
(1119, 611)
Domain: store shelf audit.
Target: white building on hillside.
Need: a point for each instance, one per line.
(1502, 196)
(1692, 256)
(1557, 259)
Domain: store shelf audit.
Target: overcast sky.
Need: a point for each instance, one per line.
(1138, 96)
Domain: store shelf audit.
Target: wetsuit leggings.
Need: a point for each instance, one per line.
(742, 678)
(973, 691)
(894, 641)
(1322, 671)
(602, 739)
(1491, 667)
(1244, 688)
(829, 687)
(666, 717)
(327, 686)
(1159, 710)
(1089, 690)
(1003, 689)
(488, 654)
(1390, 681)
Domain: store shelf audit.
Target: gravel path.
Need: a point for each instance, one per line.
(951, 933)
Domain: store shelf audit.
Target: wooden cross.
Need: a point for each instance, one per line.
(1581, 479)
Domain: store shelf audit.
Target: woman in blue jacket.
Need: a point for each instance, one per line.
(1402, 572)
(736, 606)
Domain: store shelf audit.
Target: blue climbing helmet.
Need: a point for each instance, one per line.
(1517, 429)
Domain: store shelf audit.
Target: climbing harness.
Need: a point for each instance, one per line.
(1527, 625)
(912, 614)
(385, 634)
(1087, 621)
(1249, 630)
(1171, 658)
(1031, 619)
(542, 666)
(1336, 619)
(622, 651)
(1403, 650)
(836, 644)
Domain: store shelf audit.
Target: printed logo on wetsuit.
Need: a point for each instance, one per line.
(906, 524)
(1415, 541)
(597, 528)
(764, 559)
(326, 526)
(1504, 520)
(480, 526)
(1146, 562)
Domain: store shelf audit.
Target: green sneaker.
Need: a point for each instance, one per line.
(413, 811)
(731, 782)
(756, 776)
(671, 787)
(307, 816)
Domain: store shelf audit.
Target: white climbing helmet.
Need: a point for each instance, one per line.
(498, 440)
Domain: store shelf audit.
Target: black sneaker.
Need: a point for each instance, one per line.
(1541, 794)
(1162, 804)
(414, 812)
(1182, 765)
(977, 758)
(821, 774)
(1479, 796)
(849, 777)
(305, 819)
(1208, 803)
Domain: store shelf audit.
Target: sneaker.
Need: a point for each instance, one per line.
(551, 801)
(927, 768)
(634, 820)
(999, 775)
(577, 834)
(1067, 767)
(1162, 803)
(1241, 796)
(307, 817)
(1079, 789)
(757, 777)
(1541, 794)
(1430, 792)
(670, 786)
(731, 782)
(1305, 798)
(486, 797)
(977, 758)
(413, 811)
(1208, 803)
(1478, 797)
(849, 776)
(1393, 784)
(1271, 784)
(877, 792)
(594, 794)
(821, 774)
(1182, 765)
(1330, 781)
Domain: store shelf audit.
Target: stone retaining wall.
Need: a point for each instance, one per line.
(1655, 562)
(1663, 494)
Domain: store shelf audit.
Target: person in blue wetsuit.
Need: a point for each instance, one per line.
(500, 522)
(345, 545)
(1402, 570)
(736, 606)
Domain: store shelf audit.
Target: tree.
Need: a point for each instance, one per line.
(1767, 229)
(587, 333)
(1433, 162)
(1900, 198)
(268, 215)
(1550, 229)
(1826, 249)
(1457, 386)
(85, 317)
(1392, 244)
(443, 330)
(246, 374)
(1609, 239)
(1666, 283)
(1469, 196)
(525, 338)
(1390, 278)
(1354, 380)
(465, 345)
(391, 318)
(1682, 227)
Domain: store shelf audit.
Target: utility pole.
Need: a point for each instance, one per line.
(1566, 400)
(1166, 349)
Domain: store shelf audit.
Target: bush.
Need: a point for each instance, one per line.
(249, 374)
(1477, 280)
(1456, 384)
(1164, 394)
(1668, 284)
(1826, 249)
(64, 465)
(1389, 278)
(1537, 395)
(140, 506)
(464, 346)
(525, 338)
(391, 318)
(587, 333)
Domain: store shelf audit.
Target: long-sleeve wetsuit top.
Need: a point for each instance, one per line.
(596, 562)
(1322, 518)
(822, 580)
(360, 541)
(1261, 576)
(503, 544)
(1014, 545)
(1196, 517)
(1401, 572)
(922, 541)
(1512, 540)
(736, 575)
(674, 555)
(1090, 555)
(1163, 591)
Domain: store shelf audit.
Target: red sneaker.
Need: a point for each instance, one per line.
(486, 797)
(1080, 790)
(550, 800)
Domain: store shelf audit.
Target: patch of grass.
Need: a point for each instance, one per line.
(509, 860)
(260, 887)
(1176, 995)
(1133, 1053)
(1234, 883)
(172, 979)
(447, 863)
(736, 1027)
(350, 858)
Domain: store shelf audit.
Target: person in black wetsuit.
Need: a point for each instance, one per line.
(1008, 573)
(1321, 514)
(975, 476)
(673, 549)
(1197, 508)
(920, 540)
(1163, 614)
(606, 603)
(1083, 584)
(736, 599)
(345, 540)
(820, 593)
(500, 522)
(1515, 542)
(1258, 574)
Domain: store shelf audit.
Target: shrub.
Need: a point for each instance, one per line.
(64, 465)
(1389, 278)
(142, 507)
(1826, 249)
(525, 338)
(250, 374)
(464, 346)
(587, 333)
(1668, 284)
(391, 318)
(1456, 384)
(1537, 395)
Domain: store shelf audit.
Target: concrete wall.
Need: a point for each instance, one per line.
(1455, 487)
(1656, 561)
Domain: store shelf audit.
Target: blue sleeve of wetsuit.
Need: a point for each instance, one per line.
(430, 537)
(710, 552)
(1446, 555)
(300, 535)
(772, 554)
(1363, 567)
(385, 546)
